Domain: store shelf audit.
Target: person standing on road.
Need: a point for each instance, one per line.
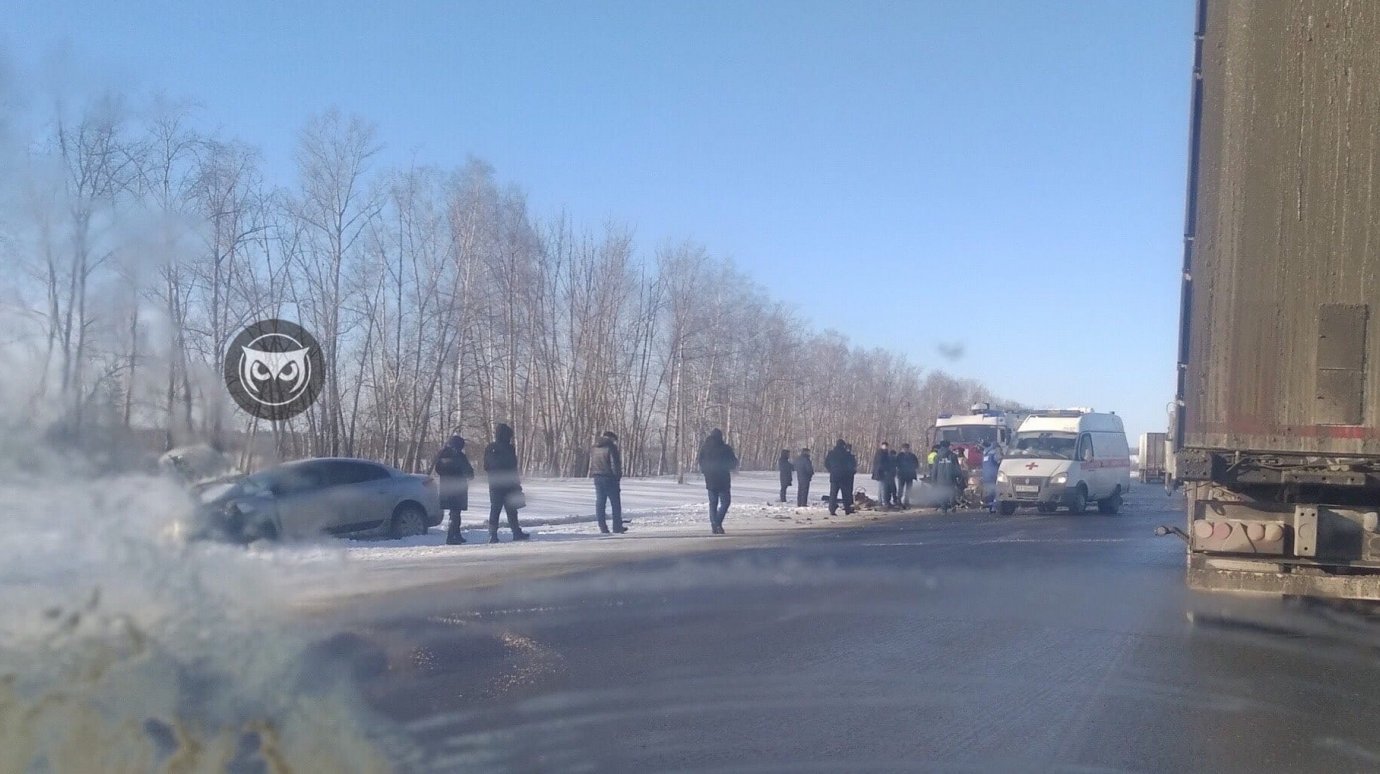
(948, 477)
(907, 470)
(841, 466)
(785, 468)
(505, 483)
(606, 468)
(454, 472)
(991, 464)
(804, 471)
(717, 462)
(884, 473)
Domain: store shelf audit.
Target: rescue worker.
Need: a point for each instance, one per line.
(454, 472)
(606, 468)
(842, 466)
(907, 470)
(505, 484)
(884, 473)
(948, 477)
(717, 462)
(991, 464)
(804, 471)
(786, 469)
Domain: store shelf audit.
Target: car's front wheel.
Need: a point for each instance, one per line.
(408, 519)
(1007, 508)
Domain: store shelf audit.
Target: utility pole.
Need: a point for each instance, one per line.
(680, 414)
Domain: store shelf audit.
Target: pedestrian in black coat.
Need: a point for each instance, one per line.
(907, 470)
(884, 473)
(717, 462)
(606, 468)
(453, 472)
(842, 466)
(786, 469)
(505, 483)
(804, 471)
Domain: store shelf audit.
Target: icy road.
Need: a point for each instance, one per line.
(960, 642)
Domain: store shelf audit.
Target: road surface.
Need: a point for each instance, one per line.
(959, 642)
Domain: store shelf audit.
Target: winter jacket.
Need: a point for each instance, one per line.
(454, 471)
(883, 465)
(786, 469)
(500, 460)
(991, 465)
(804, 468)
(717, 461)
(840, 462)
(605, 460)
(907, 466)
(948, 471)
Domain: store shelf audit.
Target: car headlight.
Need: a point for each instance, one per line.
(1059, 478)
(1002, 478)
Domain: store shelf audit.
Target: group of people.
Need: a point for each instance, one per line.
(895, 472)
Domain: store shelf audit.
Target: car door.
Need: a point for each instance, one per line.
(299, 495)
(349, 500)
(1088, 472)
(370, 491)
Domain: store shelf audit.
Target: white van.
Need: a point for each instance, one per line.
(1072, 458)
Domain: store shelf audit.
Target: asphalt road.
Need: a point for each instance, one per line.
(960, 642)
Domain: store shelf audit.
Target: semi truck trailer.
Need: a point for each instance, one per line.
(1277, 412)
(1152, 456)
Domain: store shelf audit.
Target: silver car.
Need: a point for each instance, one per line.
(331, 495)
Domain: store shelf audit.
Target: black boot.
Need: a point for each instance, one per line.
(520, 536)
(619, 528)
(493, 537)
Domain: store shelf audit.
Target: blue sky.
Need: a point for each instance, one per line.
(1005, 172)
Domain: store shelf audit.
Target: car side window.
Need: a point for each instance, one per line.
(342, 472)
(295, 480)
(1086, 453)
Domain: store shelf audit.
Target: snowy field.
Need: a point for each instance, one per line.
(562, 509)
(664, 519)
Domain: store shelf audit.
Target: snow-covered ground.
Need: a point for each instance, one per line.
(664, 519)
(562, 509)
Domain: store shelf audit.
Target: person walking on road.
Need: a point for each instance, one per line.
(804, 471)
(841, 466)
(786, 469)
(907, 470)
(505, 484)
(717, 462)
(884, 473)
(606, 468)
(454, 473)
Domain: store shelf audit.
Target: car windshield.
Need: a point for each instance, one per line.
(971, 434)
(1058, 446)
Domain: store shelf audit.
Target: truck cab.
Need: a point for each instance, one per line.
(1070, 458)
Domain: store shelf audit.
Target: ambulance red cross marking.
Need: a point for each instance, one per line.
(1032, 466)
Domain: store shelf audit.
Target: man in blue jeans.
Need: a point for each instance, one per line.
(606, 467)
(717, 462)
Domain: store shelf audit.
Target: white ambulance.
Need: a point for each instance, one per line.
(1074, 458)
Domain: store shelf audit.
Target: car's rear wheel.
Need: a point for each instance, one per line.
(408, 520)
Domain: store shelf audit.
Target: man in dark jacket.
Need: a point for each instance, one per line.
(948, 476)
(907, 470)
(785, 468)
(842, 466)
(717, 461)
(505, 484)
(884, 473)
(606, 467)
(804, 471)
(454, 471)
